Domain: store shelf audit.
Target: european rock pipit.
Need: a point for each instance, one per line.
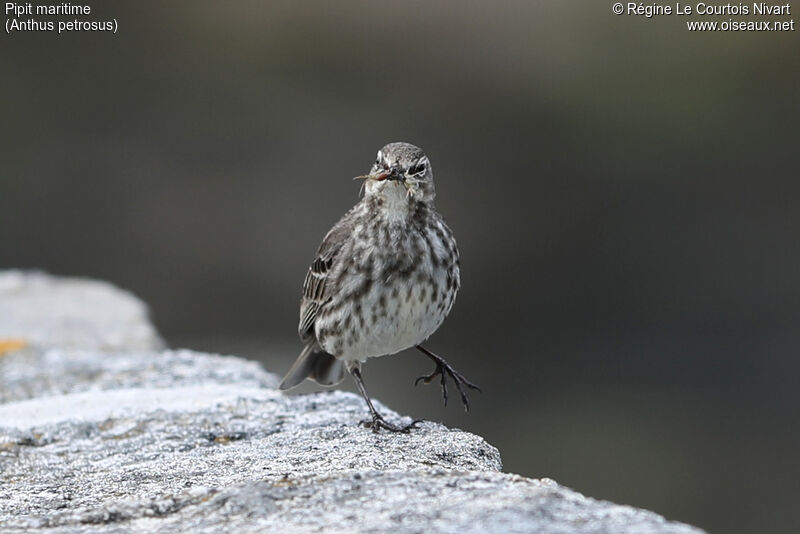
(383, 280)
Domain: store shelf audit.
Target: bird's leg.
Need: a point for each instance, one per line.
(377, 421)
(442, 370)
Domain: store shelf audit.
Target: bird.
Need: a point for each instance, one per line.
(383, 280)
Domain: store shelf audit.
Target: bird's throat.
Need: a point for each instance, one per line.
(392, 202)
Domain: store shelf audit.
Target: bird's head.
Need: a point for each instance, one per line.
(401, 171)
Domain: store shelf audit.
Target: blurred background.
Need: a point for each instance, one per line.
(624, 193)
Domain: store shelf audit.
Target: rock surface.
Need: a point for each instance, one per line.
(114, 438)
(48, 311)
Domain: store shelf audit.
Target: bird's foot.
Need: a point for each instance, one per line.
(378, 422)
(443, 369)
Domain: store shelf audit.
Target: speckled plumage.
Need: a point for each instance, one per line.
(389, 286)
(385, 276)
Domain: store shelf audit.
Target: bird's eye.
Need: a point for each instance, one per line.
(380, 162)
(420, 167)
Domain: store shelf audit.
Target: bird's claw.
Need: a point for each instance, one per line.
(377, 423)
(442, 370)
(427, 379)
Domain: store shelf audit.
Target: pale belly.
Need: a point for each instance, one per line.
(388, 319)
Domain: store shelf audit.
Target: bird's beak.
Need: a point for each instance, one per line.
(392, 174)
(379, 177)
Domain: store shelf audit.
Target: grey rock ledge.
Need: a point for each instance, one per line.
(103, 432)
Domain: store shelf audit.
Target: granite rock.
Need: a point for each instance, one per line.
(125, 438)
(48, 312)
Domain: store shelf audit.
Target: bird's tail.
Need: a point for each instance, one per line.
(316, 364)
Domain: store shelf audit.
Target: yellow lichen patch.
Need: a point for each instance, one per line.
(10, 345)
(285, 481)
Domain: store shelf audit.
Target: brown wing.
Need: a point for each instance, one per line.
(317, 286)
